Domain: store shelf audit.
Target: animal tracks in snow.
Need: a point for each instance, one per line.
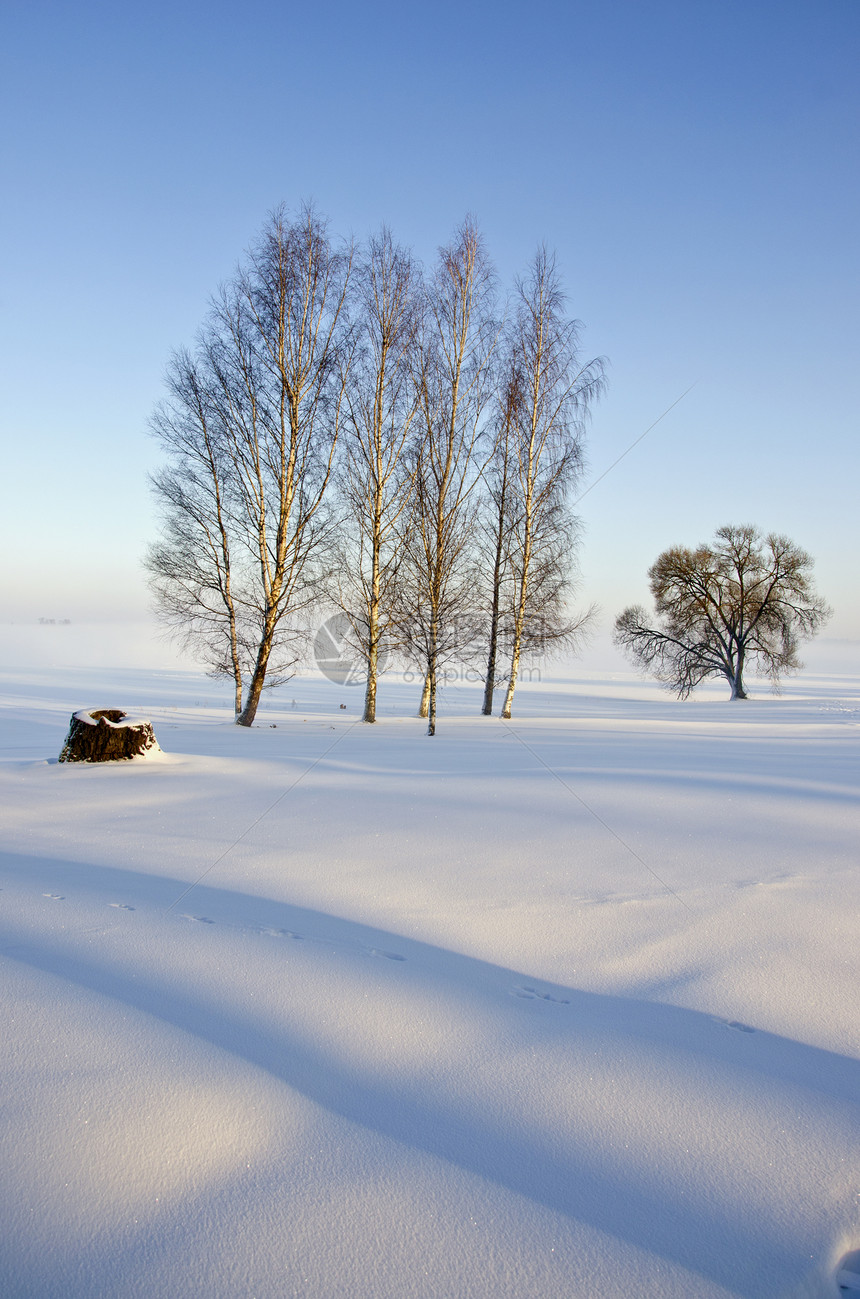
(61, 897)
(526, 991)
(271, 931)
(534, 994)
(734, 1024)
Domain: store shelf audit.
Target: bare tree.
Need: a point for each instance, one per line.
(555, 388)
(496, 523)
(272, 356)
(192, 567)
(378, 477)
(457, 347)
(744, 599)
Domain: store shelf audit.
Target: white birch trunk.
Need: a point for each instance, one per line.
(424, 706)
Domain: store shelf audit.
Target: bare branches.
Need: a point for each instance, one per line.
(746, 598)
(551, 389)
(250, 429)
(453, 381)
(192, 568)
(377, 482)
(341, 430)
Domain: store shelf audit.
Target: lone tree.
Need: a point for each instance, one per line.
(746, 599)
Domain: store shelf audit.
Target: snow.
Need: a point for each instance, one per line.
(85, 715)
(565, 1006)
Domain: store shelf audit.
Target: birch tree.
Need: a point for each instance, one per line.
(497, 525)
(378, 478)
(454, 384)
(192, 567)
(554, 392)
(274, 353)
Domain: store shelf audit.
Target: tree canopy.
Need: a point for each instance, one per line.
(332, 442)
(743, 601)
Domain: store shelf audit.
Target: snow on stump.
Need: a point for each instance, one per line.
(107, 735)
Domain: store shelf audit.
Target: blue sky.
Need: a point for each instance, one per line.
(694, 164)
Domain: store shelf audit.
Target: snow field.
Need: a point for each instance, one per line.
(564, 1007)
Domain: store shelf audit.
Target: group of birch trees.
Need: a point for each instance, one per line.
(353, 432)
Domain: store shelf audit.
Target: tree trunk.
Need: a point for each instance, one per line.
(237, 667)
(490, 680)
(107, 735)
(737, 681)
(431, 707)
(370, 692)
(512, 680)
(255, 690)
(235, 661)
(499, 561)
(431, 676)
(520, 620)
(424, 706)
(373, 624)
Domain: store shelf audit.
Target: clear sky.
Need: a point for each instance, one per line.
(693, 163)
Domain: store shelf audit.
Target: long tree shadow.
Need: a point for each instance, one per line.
(571, 1171)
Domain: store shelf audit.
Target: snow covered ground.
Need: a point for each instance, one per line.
(561, 1007)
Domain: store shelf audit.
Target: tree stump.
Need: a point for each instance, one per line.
(107, 735)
